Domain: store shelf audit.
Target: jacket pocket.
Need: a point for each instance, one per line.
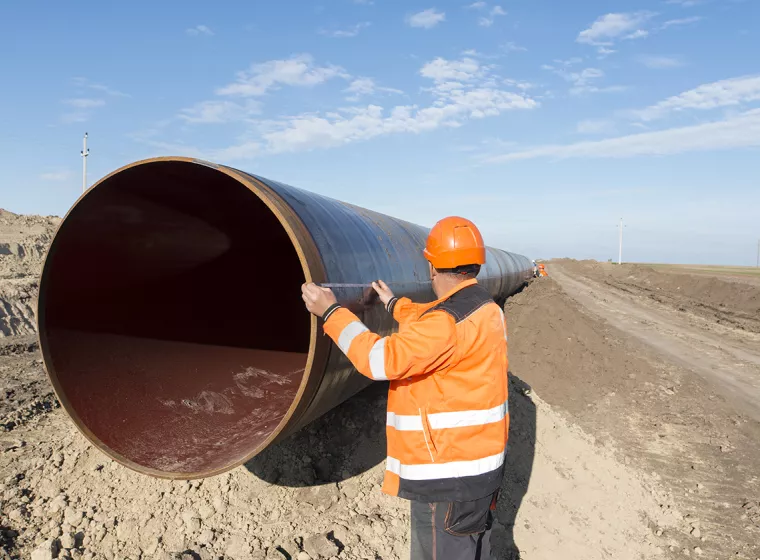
(469, 518)
(428, 434)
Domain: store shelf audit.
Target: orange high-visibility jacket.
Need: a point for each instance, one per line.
(448, 416)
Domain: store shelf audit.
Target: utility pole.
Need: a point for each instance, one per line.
(758, 253)
(85, 152)
(620, 254)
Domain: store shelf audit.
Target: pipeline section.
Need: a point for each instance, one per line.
(170, 317)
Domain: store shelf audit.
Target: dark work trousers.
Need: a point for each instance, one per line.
(452, 530)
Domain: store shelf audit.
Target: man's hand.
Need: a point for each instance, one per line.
(317, 299)
(383, 291)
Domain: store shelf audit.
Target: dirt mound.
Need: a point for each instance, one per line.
(23, 244)
(727, 302)
(551, 339)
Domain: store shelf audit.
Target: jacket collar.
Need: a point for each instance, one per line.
(462, 286)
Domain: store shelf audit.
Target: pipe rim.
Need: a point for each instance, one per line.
(313, 269)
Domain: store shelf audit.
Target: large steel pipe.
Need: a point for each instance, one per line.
(170, 317)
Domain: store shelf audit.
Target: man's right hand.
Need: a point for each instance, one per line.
(383, 291)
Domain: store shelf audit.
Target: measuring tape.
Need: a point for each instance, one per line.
(337, 285)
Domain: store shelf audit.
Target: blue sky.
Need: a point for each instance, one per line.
(544, 122)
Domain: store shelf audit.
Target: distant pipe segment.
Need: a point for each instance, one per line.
(170, 317)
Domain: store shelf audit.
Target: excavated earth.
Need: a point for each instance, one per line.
(614, 453)
(23, 244)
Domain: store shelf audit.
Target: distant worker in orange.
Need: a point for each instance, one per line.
(448, 418)
(542, 270)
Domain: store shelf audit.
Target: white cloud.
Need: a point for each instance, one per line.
(487, 21)
(108, 90)
(199, 30)
(685, 3)
(298, 70)
(426, 19)
(491, 15)
(724, 93)
(659, 62)
(85, 83)
(638, 34)
(217, 112)
(583, 81)
(56, 176)
(605, 52)
(513, 47)
(739, 131)
(443, 70)
(362, 86)
(682, 21)
(524, 86)
(566, 62)
(84, 103)
(462, 90)
(610, 27)
(310, 131)
(352, 31)
(595, 126)
(364, 2)
(366, 86)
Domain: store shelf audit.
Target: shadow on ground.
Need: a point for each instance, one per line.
(521, 451)
(347, 441)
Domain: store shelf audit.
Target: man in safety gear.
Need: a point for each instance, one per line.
(447, 420)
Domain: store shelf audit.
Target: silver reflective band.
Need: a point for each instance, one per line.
(377, 361)
(349, 333)
(455, 469)
(444, 420)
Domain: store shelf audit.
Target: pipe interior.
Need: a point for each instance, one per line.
(171, 316)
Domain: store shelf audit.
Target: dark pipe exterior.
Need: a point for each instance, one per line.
(334, 241)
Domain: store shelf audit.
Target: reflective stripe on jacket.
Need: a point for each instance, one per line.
(448, 416)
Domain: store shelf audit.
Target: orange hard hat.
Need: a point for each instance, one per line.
(454, 242)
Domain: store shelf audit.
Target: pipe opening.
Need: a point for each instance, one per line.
(171, 319)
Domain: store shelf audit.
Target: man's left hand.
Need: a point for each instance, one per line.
(317, 299)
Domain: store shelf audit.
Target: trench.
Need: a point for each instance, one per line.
(171, 319)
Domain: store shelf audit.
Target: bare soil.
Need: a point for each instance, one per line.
(727, 301)
(315, 494)
(23, 244)
(615, 452)
(617, 366)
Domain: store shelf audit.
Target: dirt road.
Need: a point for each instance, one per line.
(727, 358)
(622, 364)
